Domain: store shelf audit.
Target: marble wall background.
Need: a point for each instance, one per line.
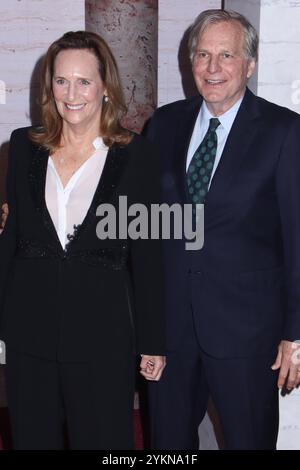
(174, 74)
(130, 28)
(279, 63)
(27, 27)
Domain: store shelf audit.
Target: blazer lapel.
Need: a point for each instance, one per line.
(37, 183)
(237, 146)
(115, 163)
(182, 141)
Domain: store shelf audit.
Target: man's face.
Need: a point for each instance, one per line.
(220, 67)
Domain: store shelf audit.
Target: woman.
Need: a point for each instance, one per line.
(76, 309)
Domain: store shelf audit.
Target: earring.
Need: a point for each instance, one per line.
(106, 99)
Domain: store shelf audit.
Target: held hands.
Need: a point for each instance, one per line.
(288, 361)
(152, 366)
(3, 217)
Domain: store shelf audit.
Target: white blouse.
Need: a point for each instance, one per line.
(68, 205)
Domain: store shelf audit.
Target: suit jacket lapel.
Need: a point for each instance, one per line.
(116, 160)
(182, 141)
(237, 146)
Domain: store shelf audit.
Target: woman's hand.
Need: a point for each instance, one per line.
(3, 217)
(152, 366)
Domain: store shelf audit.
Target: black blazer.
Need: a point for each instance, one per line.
(96, 296)
(244, 285)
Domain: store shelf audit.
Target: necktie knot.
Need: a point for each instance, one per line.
(213, 124)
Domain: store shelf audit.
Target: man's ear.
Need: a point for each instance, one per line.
(251, 67)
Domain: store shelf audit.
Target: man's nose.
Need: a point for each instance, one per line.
(214, 64)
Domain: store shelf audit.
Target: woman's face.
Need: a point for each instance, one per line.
(77, 88)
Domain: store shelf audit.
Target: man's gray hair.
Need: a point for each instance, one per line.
(209, 17)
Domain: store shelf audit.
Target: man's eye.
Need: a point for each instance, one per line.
(60, 81)
(201, 55)
(226, 55)
(85, 82)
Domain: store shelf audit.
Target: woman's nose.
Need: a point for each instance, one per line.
(71, 92)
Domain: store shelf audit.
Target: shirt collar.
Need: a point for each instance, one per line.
(225, 119)
(98, 142)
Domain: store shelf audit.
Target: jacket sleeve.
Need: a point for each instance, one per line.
(146, 261)
(8, 236)
(288, 193)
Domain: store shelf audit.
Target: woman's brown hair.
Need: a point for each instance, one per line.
(49, 134)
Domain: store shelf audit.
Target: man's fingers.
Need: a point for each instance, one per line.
(288, 362)
(284, 371)
(297, 382)
(291, 383)
(277, 362)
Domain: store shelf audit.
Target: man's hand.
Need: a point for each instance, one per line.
(152, 366)
(3, 217)
(288, 361)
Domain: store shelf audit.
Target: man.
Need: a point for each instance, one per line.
(233, 307)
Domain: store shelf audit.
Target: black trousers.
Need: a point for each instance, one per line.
(94, 399)
(243, 390)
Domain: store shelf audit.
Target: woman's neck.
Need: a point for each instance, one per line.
(79, 138)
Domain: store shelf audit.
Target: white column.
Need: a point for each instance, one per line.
(174, 18)
(279, 63)
(251, 10)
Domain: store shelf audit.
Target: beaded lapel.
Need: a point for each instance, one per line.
(116, 161)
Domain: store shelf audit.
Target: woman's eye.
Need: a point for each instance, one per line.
(60, 81)
(85, 82)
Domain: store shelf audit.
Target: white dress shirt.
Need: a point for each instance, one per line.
(201, 127)
(68, 205)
